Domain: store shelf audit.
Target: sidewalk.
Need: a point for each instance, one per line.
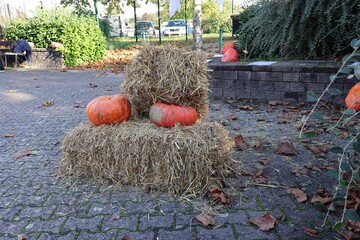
(39, 106)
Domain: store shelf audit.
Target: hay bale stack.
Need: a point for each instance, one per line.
(183, 161)
(167, 74)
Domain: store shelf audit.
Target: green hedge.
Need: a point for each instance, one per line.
(82, 38)
(308, 29)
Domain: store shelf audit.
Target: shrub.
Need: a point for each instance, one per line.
(82, 38)
(300, 29)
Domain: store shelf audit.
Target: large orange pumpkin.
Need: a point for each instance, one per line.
(231, 55)
(352, 99)
(108, 109)
(167, 115)
(227, 46)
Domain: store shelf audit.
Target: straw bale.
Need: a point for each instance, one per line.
(184, 161)
(168, 74)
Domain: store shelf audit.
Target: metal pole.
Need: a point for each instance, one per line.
(232, 6)
(159, 21)
(136, 36)
(220, 39)
(186, 27)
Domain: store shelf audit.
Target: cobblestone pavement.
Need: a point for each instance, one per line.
(34, 202)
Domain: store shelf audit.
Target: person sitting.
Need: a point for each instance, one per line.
(23, 46)
(2, 69)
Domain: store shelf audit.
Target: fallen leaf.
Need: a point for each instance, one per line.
(47, 103)
(257, 144)
(22, 237)
(265, 160)
(231, 118)
(311, 232)
(115, 216)
(219, 196)
(300, 172)
(282, 121)
(7, 135)
(205, 219)
(265, 222)
(347, 235)
(321, 199)
(25, 153)
(245, 172)
(299, 194)
(92, 85)
(259, 178)
(318, 151)
(286, 149)
(247, 107)
(273, 103)
(127, 236)
(240, 142)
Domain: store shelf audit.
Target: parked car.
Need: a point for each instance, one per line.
(128, 31)
(175, 27)
(145, 27)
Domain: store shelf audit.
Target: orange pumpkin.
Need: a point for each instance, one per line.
(352, 99)
(56, 44)
(108, 109)
(231, 55)
(167, 115)
(227, 46)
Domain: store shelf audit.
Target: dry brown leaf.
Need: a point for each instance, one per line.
(257, 144)
(286, 149)
(265, 160)
(22, 237)
(9, 135)
(259, 178)
(247, 107)
(321, 199)
(347, 235)
(218, 196)
(282, 121)
(300, 172)
(311, 232)
(127, 236)
(240, 142)
(273, 103)
(265, 222)
(205, 219)
(25, 153)
(115, 216)
(231, 118)
(318, 151)
(299, 194)
(245, 172)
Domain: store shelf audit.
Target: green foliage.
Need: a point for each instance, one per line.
(347, 174)
(299, 29)
(82, 38)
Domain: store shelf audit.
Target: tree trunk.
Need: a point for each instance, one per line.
(197, 36)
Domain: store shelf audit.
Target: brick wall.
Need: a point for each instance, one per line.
(283, 81)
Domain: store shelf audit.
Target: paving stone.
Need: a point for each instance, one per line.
(187, 234)
(147, 221)
(35, 212)
(14, 227)
(145, 235)
(253, 232)
(150, 207)
(113, 221)
(52, 226)
(90, 224)
(24, 200)
(67, 236)
(80, 211)
(8, 214)
(54, 199)
(98, 236)
(220, 233)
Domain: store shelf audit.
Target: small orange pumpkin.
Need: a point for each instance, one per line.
(108, 109)
(167, 115)
(56, 44)
(231, 55)
(352, 100)
(227, 46)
